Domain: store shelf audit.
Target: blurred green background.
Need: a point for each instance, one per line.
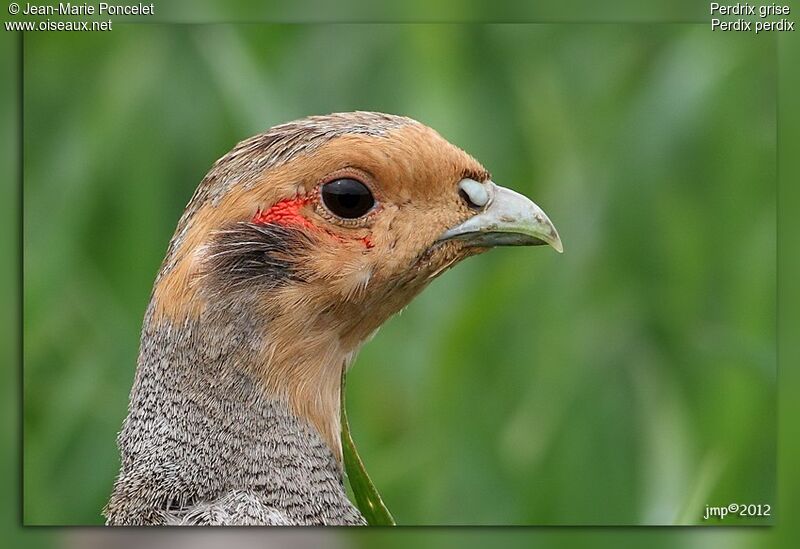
(629, 381)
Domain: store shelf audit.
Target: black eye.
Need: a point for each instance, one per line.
(347, 198)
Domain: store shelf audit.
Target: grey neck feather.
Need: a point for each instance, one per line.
(203, 443)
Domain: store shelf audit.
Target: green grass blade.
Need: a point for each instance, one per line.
(368, 500)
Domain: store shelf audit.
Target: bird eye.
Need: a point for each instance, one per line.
(347, 198)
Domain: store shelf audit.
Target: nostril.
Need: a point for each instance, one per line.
(475, 194)
(465, 197)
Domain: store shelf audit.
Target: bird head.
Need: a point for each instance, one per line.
(303, 240)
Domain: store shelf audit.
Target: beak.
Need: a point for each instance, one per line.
(507, 219)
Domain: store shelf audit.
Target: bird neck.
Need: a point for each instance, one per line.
(202, 417)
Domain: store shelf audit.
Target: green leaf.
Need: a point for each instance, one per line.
(368, 500)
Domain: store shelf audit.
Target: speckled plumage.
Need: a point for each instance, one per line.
(203, 444)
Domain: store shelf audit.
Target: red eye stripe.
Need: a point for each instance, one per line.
(287, 212)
